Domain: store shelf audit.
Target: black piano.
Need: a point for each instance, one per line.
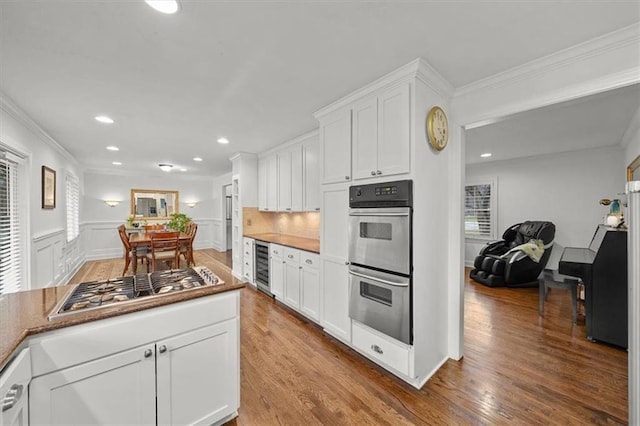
(603, 269)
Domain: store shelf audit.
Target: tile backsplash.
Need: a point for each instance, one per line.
(305, 225)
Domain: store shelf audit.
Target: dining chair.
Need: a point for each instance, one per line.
(187, 249)
(164, 248)
(151, 228)
(128, 254)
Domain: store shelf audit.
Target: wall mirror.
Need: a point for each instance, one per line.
(153, 203)
(633, 170)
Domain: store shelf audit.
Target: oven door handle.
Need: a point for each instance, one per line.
(395, 284)
(379, 214)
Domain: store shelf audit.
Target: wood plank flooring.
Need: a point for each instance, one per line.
(518, 368)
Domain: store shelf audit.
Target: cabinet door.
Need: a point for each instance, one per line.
(276, 276)
(311, 161)
(284, 180)
(297, 178)
(262, 184)
(394, 140)
(335, 285)
(198, 375)
(365, 138)
(310, 292)
(117, 389)
(335, 147)
(272, 183)
(335, 223)
(292, 284)
(14, 391)
(248, 255)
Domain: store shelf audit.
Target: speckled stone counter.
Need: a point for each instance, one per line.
(26, 313)
(306, 244)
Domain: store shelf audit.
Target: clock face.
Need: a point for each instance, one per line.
(437, 128)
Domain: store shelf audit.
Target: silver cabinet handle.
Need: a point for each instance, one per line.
(12, 397)
(378, 172)
(308, 261)
(347, 263)
(377, 349)
(346, 178)
(317, 209)
(299, 267)
(162, 349)
(290, 256)
(288, 209)
(373, 173)
(148, 353)
(275, 252)
(284, 262)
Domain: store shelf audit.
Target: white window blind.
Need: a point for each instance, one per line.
(10, 226)
(73, 207)
(479, 211)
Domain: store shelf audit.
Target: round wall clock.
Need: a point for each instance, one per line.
(437, 128)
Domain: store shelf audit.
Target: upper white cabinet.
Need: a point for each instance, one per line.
(381, 139)
(335, 143)
(289, 177)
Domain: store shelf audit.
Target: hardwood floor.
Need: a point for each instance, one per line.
(518, 368)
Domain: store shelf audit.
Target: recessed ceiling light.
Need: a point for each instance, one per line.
(183, 169)
(164, 6)
(223, 141)
(117, 163)
(197, 159)
(165, 167)
(113, 148)
(104, 119)
(485, 155)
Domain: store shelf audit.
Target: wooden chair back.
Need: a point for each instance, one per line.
(164, 247)
(124, 237)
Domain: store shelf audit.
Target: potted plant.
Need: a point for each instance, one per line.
(178, 221)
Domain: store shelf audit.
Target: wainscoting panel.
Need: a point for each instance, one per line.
(218, 229)
(54, 260)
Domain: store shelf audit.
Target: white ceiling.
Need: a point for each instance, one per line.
(590, 122)
(253, 71)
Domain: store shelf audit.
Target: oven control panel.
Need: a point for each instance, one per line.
(387, 194)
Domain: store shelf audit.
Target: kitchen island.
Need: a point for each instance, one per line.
(109, 365)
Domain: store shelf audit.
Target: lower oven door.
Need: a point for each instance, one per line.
(381, 301)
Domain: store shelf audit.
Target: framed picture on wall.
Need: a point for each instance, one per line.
(48, 188)
(633, 170)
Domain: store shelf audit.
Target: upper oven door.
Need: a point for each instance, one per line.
(381, 238)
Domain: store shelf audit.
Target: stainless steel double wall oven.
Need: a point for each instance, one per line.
(380, 257)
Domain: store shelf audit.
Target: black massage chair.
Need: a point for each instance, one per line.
(515, 270)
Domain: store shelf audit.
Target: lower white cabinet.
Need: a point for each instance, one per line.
(335, 314)
(381, 348)
(248, 273)
(187, 373)
(295, 280)
(14, 391)
(276, 270)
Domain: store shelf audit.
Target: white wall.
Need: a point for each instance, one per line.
(220, 242)
(50, 259)
(100, 221)
(631, 139)
(562, 188)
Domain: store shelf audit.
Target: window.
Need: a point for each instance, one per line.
(479, 210)
(10, 225)
(73, 208)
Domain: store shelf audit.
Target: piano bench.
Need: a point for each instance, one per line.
(552, 279)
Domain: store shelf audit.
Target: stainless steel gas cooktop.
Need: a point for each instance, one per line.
(98, 294)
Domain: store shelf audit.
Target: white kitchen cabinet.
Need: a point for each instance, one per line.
(310, 285)
(335, 143)
(14, 390)
(185, 356)
(292, 284)
(284, 180)
(276, 270)
(381, 139)
(116, 389)
(297, 178)
(311, 162)
(272, 182)
(196, 380)
(248, 254)
(262, 184)
(334, 273)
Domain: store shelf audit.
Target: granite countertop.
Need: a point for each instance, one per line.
(307, 244)
(25, 313)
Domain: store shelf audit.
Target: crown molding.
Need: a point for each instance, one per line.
(416, 69)
(291, 142)
(596, 46)
(10, 107)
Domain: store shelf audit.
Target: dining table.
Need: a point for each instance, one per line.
(143, 239)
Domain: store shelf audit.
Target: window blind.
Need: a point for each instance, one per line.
(10, 226)
(477, 211)
(73, 207)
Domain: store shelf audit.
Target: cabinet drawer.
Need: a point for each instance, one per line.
(310, 260)
(382, 348)
(275, 250)
(291, 255)
(248, 244)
